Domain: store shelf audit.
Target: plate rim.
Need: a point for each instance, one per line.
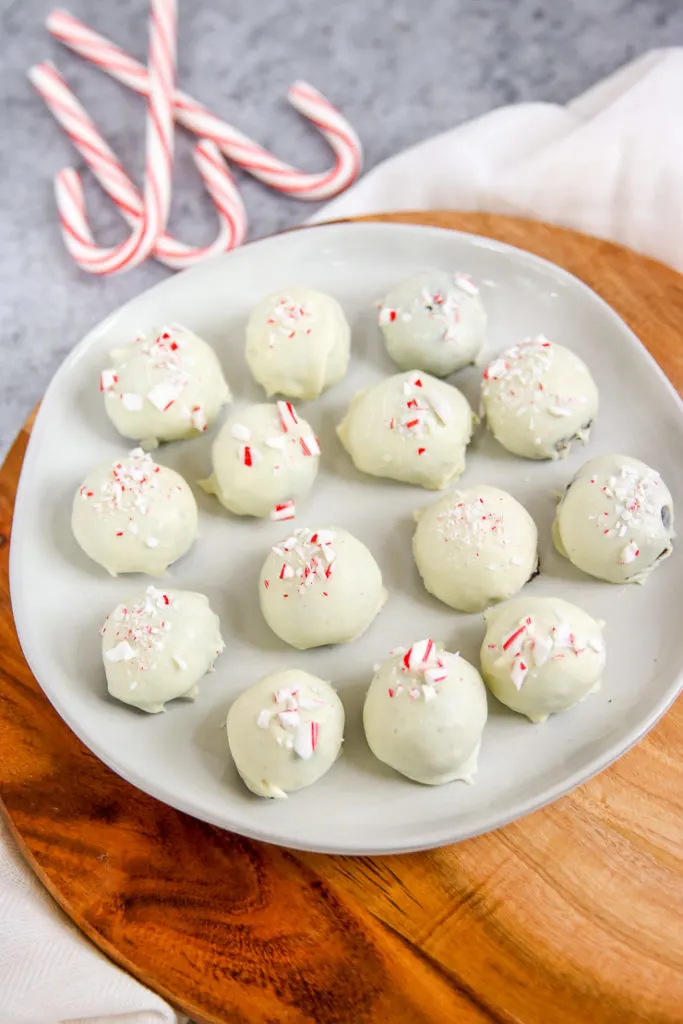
(592, 767)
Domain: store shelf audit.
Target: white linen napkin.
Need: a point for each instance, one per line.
(611, 164)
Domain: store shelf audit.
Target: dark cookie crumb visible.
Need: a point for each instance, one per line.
(566, 441)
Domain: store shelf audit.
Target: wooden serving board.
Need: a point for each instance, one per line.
(572, 914)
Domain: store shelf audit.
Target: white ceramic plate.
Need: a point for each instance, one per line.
(60, 598)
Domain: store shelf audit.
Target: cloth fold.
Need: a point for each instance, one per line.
(610, 163)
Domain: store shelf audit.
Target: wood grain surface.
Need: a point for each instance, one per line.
(572, 914)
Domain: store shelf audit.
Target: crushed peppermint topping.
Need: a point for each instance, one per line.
(248, 455)
(169, 366)
(469, 519)
(634, 500)
(121, 652)
(387, 316)
(133, 486)
(422, 410)
(441, 307)
(287, 317)
(108, 378)
(131, 401)
(418, 671)
(290, 729)
(288, 416)
(240, 432)
(288, 445)
(466, 284)
(198, 418)
(308, 557)
(517, 378)
(163, 394)
(309, 444)
(285, 510)
(629, 553)
(530, 645)
(141, 629)
(165, 353)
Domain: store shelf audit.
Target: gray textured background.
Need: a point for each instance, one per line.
(401, 70)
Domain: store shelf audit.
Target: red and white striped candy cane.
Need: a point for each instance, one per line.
(234, 144)
(158, 162)
(111, 175)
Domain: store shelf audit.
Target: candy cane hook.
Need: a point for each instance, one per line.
(234, 144)
(108, 170)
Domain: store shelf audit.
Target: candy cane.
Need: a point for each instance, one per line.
(234, 144)
(158, 159)
(108, 170)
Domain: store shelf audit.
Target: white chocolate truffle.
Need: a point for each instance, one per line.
(320, 587)
(158, 645)
(164, 388)
(298, 343)
(433, 321)
(541, 655)
(615, 520)
(285, 732)
(475, 547)
(264, 458)
(410, 427)
(538, 397)
(134, 516)
(424, 714)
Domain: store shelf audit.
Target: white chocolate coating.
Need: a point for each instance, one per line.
(264, 456)
(410, 427)
(298, 343)
(164, 387)
(157, 646)
(134, 516)
(424, 714)
(433, 321)
(285, 732)
(615, 520)
(541, 655)
(538, 397)
(320, 587)
(474, 547)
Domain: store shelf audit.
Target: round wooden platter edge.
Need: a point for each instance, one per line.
(571, 913)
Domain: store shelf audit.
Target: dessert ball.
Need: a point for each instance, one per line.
(541, 655)
(320, 587)
(424, 714)
(285, 732)
(475, 547)
(164, 387)
(132, 515)
(298, 343)
(538, 397)
(158, 645)
(264, 458)
(615, 520)
(434, 321)
(410, 427)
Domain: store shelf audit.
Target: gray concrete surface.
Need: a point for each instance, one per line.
(401, 70)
